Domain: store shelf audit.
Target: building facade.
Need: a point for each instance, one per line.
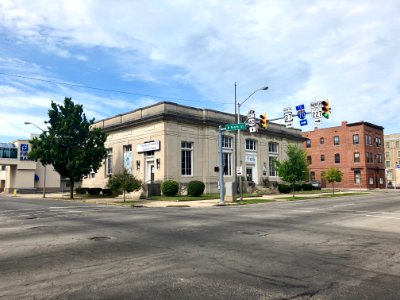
(19, 174)
(392, 159)
(171, 141)
(356, 149)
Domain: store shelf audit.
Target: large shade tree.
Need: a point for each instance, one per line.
(295, 168)
(70, 144)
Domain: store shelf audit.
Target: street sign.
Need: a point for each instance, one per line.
(239, 126)
(251, 121)
(316, 112)
(303, 122)
(239, 171)
(254, 128)
(288, 117)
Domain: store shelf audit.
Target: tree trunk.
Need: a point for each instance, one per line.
(124, 195)
(293, 189)
(71, 188)
(333, 190)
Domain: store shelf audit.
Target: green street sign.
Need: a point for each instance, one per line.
(240, 126)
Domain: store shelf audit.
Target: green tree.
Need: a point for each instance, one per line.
(123, 182)
(295, 168)
(70, 144)
(333, 175)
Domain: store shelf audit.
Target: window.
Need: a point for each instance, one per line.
(381, 180)
(356, 157)
(397, 144)
(387, 164)
(368, 139)
(337, 158)
(378, 141)
(387, 155)
(371, 180)
(336, 140)
(109, 162)
(322, 157)
(226, 142)
(322, 141)
(308, 143)
(387, 145)
(378, 158)
(398, 154)
(355, 139)
(369, 157)
(128, 158)
(273, 147)
(251, 145)
(272, 168)
(312, 173)
(227, 163)
(309, 160)
(186, 158)
(357, 176)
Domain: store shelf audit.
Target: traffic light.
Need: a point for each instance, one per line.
(326, 110)
(263, 121)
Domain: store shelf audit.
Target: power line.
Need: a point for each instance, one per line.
(109, 90)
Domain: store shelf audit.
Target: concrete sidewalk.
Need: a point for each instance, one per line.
(165, 203)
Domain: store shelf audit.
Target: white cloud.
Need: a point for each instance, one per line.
(344, 50)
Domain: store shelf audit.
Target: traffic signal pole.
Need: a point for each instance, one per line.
(221, 169)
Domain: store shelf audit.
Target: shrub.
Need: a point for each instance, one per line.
(170, 188)
(80, 190)
(284, 188)
(94, 191)
(196, 188)
(297, 187)
(307, 187)
(107, 192)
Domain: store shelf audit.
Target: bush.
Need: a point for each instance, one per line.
(297, 187)
(307, 187)
(196, 188)
(94, 191)
(170, 188)
(107, 192)
(284, 188)
(80, 190)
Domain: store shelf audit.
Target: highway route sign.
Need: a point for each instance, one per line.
(288, 117)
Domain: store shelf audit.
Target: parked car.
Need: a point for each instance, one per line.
(316, 184)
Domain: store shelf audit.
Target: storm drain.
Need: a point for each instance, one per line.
(99, 238)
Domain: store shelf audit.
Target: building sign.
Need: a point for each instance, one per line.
(150, 146)
(23, 151)
(251, 159)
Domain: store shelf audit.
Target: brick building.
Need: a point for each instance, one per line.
(354, 148)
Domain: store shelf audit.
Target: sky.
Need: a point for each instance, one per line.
(114, 56)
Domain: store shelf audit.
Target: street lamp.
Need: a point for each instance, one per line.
(44, 165)
(264, 88)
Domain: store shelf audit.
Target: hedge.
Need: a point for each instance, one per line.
(196, 188)
(170, 188)
(94, 191)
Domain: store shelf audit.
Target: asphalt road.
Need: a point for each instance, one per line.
(338, 248)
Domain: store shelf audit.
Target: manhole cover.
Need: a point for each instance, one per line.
(99, 238)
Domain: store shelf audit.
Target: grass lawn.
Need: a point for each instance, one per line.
(184, 198)
(326, 195)
(253, 201)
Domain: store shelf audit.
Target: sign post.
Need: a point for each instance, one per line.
(316, 112)
(288, 116)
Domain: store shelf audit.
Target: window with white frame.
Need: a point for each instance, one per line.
(109, 162)
(227, 163)
(251, 145)
(398, 154)
(186, 158)
(381, 180)
(388, 164)
(368, 139)
(355, 139)
(378, 141)
(356, 156)
(371, 180)
(226, 142)
(273, 147)
(336, 140)
(128, 158)
(272, 167)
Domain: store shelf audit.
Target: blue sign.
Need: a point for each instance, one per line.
(23, 153)
(301, 114)
(300, 107)
(303, 122)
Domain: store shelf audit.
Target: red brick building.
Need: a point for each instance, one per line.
(356, 149)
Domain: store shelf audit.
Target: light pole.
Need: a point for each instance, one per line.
(44, 165)
(264, 88)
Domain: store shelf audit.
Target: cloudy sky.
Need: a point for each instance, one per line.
(114, 56)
